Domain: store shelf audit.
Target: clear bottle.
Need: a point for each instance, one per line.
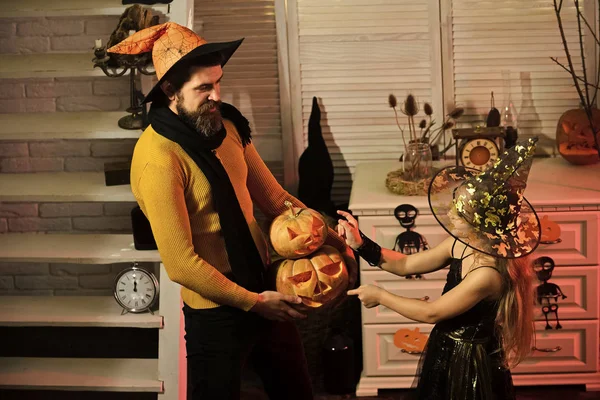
(509, 112)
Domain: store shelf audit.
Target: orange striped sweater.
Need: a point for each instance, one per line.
(175, 196)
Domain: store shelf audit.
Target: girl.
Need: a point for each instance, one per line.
(484, 318)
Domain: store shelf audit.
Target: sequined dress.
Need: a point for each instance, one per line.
(463, 357)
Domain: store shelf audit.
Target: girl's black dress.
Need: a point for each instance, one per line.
(463, 356)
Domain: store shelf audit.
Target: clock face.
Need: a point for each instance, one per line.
(479, 153)
(136, 289)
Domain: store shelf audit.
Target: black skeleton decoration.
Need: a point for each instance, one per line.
(409, 242)
(547, 291)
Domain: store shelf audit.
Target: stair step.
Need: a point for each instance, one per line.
(45, 8)
(48, 65)
(61, 187)
(71, 311)
(72, 248)
(83, 374)
(64, 125)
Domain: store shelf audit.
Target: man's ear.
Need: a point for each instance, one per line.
(168, 89)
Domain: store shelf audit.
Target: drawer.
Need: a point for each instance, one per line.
(574, 348)
(430, 286)
(385, 229)
(382, 358)
(580, 285)
(579, 238)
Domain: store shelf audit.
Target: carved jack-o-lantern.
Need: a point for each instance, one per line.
(410, 341)
(550, 231)
(575, 139)
(316, 279)
(297, 232)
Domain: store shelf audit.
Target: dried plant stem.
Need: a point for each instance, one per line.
(399, 127)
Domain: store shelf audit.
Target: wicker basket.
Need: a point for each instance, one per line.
(397, 183)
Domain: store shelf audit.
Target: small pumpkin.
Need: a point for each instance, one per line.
(550, 231)
(575, 137)
(297, 232)
(316, 279)
(411, 341)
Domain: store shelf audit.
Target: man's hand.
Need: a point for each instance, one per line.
(276, 306)
(369, 295)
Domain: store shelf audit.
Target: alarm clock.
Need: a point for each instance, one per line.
(479, 147)
(136, 290)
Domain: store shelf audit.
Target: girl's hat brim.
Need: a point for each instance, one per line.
(521, 241)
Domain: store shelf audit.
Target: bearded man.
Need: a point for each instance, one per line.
(195, 174)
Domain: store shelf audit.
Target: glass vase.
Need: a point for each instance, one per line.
(417, 162)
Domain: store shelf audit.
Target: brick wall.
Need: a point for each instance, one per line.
(47, 279)
(54, 34)
(63, 155)
(94, 217)
(64, 94)
(59, 35)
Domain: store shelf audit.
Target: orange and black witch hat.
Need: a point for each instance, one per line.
(171, 44)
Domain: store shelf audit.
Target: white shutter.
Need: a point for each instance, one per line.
(251, 79)
(486, 38)
(352, 54)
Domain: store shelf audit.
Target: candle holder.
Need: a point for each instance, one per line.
(119, 67)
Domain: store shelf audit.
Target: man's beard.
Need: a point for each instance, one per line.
(205, 122)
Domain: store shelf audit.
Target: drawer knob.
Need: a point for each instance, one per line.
(555, 241)
(424, 298)
(548, 350)
(410, 351)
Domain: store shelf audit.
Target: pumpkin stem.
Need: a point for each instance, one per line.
(289, 205)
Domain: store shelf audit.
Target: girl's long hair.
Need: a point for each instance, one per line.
(516, 309)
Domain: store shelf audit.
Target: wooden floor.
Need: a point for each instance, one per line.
(256, 393)
(523, 393)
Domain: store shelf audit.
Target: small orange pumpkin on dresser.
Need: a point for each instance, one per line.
(316, 279)
(297, 232)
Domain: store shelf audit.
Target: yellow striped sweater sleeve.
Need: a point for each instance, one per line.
(162, 190)
(269, 196)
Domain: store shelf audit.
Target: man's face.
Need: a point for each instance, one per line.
(198, 101)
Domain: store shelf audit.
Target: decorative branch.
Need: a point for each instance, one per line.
(582, 51)
(585, 100)
(557, 9)
(591, 30)
(574, 75)
(597, 65)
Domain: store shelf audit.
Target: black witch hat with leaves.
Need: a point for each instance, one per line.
(498, 220)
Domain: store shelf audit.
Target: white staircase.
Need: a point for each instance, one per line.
(164, 375)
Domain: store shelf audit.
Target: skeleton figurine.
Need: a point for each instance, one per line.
(408, 242)
(546, 292)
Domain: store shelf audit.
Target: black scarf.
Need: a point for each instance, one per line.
(244, 258)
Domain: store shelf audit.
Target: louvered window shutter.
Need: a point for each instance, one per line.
(250, 81)
(505, 47)
(352, 54)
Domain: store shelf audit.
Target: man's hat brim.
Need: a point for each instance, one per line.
(226, 49)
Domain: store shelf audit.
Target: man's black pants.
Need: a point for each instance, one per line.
(220, 340)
